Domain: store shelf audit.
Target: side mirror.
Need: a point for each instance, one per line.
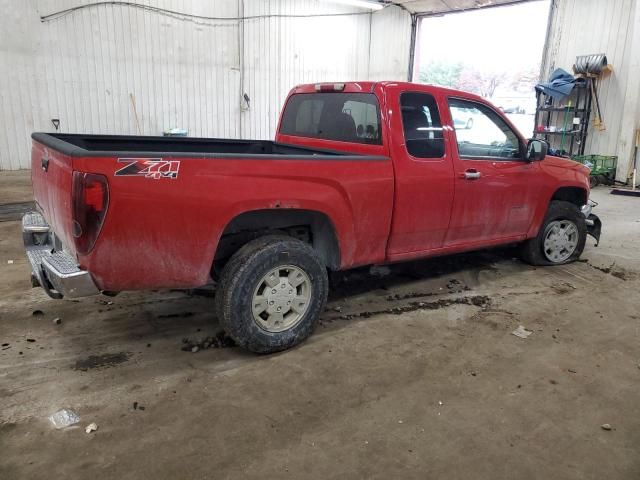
(536, 150)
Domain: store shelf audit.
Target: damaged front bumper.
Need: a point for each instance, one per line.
(594, 225)
(52, 268)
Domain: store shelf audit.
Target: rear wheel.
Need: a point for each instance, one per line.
(561, 238)
(271, 293)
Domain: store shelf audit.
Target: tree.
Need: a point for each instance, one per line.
(480, 83)
(525, 80)
(441, 73)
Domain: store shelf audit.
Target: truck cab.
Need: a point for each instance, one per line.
(464, 178)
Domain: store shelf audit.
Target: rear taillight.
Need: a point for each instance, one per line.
(90, 195)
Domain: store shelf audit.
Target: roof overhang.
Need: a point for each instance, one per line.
(442, 7)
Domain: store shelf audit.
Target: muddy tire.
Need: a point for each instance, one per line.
(561, 237)
(271, 293)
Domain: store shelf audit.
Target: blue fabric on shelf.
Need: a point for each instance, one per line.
(560, 84)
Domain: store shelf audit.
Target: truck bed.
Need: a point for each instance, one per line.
(163, 231)
(78, 145)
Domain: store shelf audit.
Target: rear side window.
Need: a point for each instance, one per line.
(343, 117)
(422, 126)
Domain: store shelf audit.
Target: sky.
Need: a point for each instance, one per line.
(496, 39)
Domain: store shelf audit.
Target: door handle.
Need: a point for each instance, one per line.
(471, 174)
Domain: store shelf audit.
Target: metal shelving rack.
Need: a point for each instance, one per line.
(551, 114)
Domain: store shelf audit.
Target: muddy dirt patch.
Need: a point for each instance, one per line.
(562, 288)
(481, 301)
(106, 360)
(218, 340)
(615, 271)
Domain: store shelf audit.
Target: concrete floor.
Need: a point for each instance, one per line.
(410, 375)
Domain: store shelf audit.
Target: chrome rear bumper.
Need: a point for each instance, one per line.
(53, 269)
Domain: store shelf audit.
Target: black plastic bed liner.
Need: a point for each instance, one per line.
(79, 145)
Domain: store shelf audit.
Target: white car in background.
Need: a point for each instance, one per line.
(463, 120)
(516, 105)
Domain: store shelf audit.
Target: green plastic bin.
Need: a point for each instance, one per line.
(603, 168)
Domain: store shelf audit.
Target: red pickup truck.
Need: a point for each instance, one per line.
(359, 173)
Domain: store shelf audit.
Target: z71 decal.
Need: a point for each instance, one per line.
(155, 168)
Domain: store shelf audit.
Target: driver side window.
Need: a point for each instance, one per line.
(482, 133)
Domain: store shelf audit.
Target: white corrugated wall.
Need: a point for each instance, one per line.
(114, 69)
(282, 52)
(390, 45)
(581, 27)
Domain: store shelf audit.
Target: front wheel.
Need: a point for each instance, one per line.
(561, 237)
(271, 293)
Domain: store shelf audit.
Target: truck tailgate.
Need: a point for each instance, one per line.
(51, 176)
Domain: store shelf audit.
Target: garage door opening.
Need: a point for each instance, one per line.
(494, 52)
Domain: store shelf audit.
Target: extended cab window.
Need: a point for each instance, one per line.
(481, 132)
(421, 124)
(344, 117)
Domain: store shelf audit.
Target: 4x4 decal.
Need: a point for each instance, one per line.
(155, 168)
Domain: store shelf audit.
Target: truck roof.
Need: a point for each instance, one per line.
(368, 86)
